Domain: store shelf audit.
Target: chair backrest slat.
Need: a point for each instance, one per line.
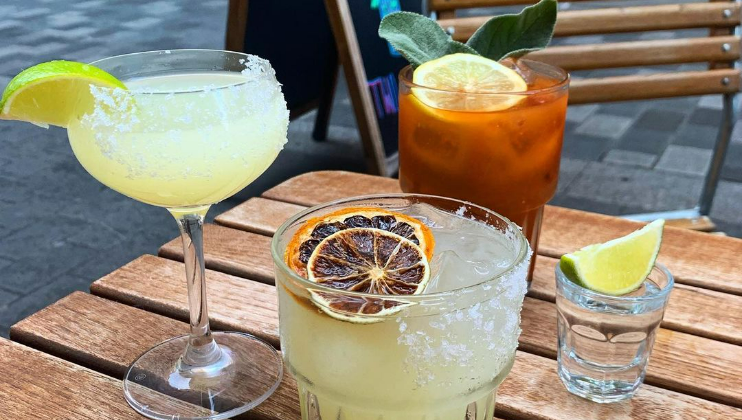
(641, 53)
(653, 86)
(622, 19)
(441, 5)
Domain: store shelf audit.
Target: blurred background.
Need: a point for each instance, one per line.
(62, 229)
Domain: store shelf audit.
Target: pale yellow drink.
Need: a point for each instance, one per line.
(441, 357)
(182, 140)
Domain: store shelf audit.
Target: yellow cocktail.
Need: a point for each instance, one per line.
(439, 354)
(183, 140)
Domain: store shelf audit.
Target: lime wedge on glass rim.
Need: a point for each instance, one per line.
(51, 93)
(616, 267)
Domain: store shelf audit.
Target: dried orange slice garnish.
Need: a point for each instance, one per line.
(306, 239)
(366, 260)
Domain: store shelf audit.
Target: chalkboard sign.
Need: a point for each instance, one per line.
(371, 66)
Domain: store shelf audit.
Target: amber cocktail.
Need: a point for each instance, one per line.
(497, 150)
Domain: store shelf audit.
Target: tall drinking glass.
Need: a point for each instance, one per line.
(193, 128)
(440, 354)
(465, 145)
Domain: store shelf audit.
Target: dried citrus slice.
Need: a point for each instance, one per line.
(314, 230)
(366, 260)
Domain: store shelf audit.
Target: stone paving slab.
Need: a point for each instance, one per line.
(685, 160)
(630, 158)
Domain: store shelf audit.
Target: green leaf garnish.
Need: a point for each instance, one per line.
(515, 35)
(418, 38)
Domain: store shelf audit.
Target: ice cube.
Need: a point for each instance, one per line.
(430, 216)
(449, 271)
(520, 67)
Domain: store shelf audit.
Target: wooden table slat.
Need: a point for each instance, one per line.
(230, 251)
(698, 311)
(155, 283)
(108, 336)
(258, 215)
(714, 373)
(695, 258)
(531, 391)
(39, 386)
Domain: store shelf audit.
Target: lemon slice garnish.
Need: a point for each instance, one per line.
(486, 81)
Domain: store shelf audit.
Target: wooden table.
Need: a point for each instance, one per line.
(66, 361)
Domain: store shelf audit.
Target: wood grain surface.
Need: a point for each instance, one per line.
(109, 336)
(264, 216)
(621, 19)
(531, 391)
(653, 86)
(35, 385)
(640, 53)
(230, 251)
(156, 284)
(674, 360)
(694, 258)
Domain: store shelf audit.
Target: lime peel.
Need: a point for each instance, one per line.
(50, 93)
(616, 267)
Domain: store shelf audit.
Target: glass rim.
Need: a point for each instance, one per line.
(561, 84)
(574, 287)
(263, 63)
(278, 255)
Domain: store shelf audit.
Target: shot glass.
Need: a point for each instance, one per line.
(605, 341)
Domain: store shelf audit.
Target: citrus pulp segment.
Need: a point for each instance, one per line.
(467, 82)
(366, 260)
(314, 230)
(52, 93)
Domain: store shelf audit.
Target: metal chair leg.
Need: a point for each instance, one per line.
(720, 150)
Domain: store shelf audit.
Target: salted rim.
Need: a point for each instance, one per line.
(561, 84)
(278, 257)
(268, 73)
(574, 287)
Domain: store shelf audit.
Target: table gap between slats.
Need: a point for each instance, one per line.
(531, 391)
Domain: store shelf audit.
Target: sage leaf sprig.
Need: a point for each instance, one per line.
(515, 35)
(420, 39)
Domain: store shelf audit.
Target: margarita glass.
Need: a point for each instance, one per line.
(195, 127)
(440, 356)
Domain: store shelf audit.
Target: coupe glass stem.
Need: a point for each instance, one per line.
(201, 350)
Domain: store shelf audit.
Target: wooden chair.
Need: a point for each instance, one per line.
(721, 49)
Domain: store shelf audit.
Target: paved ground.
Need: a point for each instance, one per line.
(62, 229)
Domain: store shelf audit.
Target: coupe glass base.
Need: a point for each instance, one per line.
(247, 373)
